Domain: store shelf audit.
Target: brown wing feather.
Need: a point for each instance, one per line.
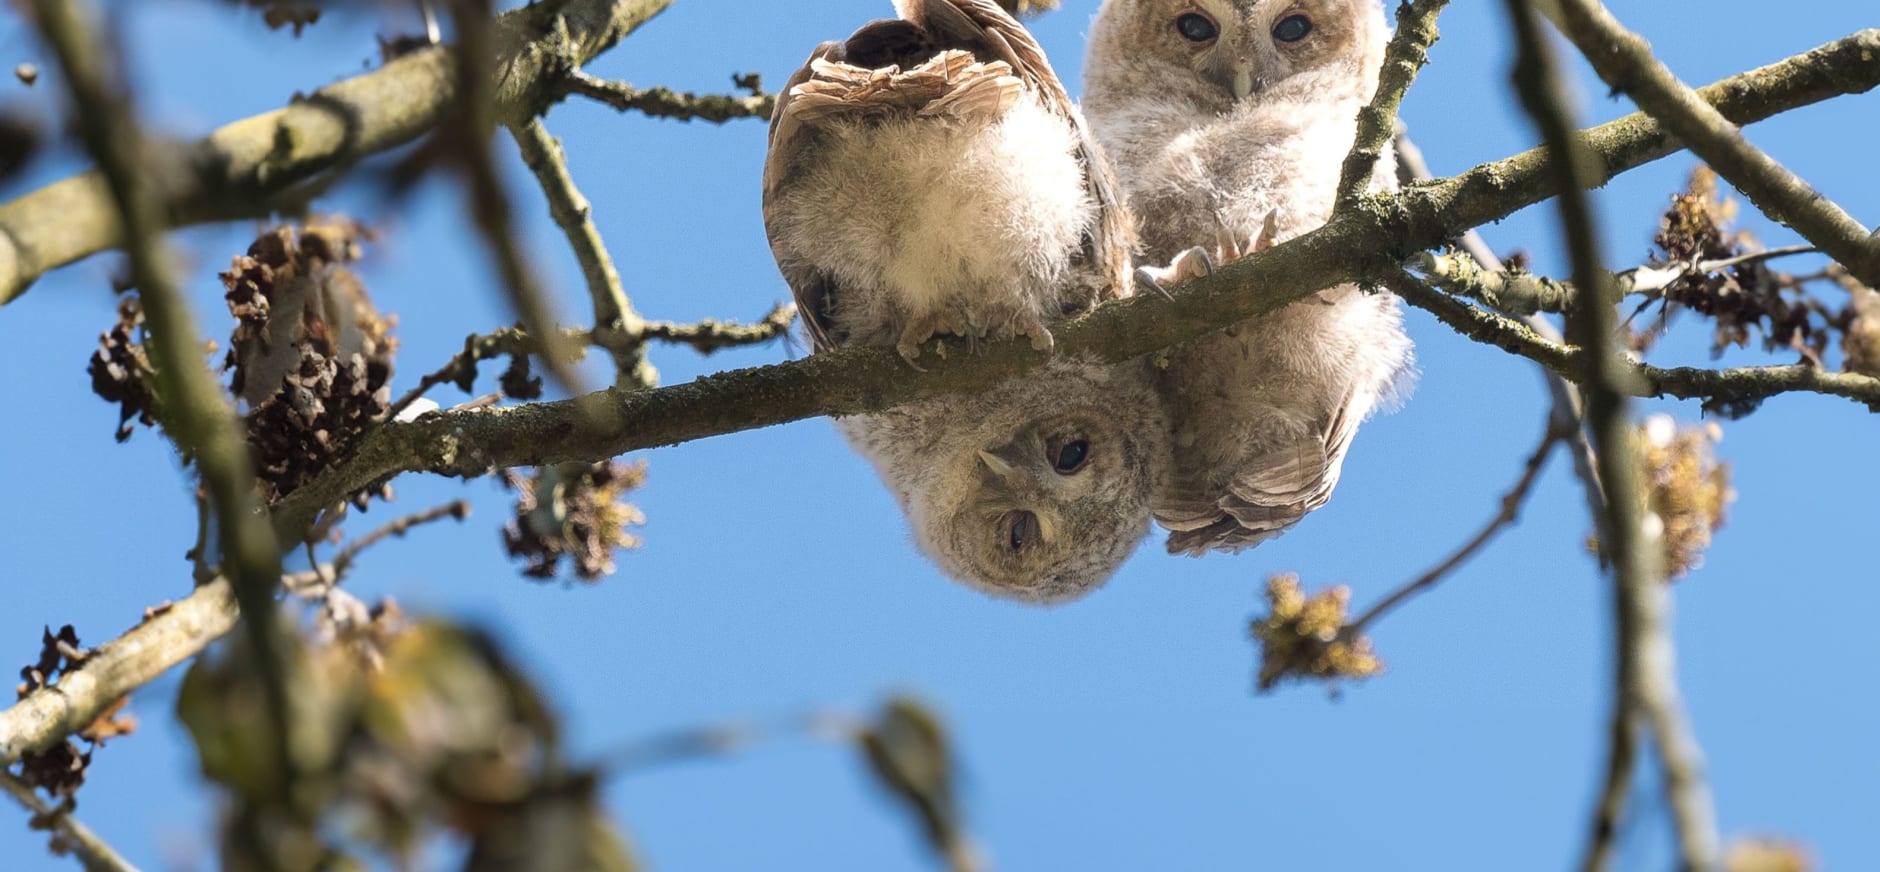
(1268, 494)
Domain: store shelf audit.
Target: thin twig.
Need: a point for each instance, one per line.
(93, 853)
(476, 349)
(661, 102)
(572, 213)
(707, 336)
(1406, 54)
(1644, 685)
(1508, 512)
(343, 561)
(198, 415)
(1624, 60)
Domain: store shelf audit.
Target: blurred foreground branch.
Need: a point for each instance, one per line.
(1644, 685)
(242, 168)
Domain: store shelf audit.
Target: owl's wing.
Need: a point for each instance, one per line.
(1268, 493)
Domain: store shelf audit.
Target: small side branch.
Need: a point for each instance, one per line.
(1506, 515)
(661, 102)
(572, 213)
(1404, 57)
(707, 336)
(93, 852)
(1624, 60)
(343, 561)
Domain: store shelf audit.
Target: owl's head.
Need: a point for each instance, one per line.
(1039, 489)
(1224, 52)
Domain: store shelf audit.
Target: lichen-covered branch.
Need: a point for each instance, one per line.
(1525, 293)
(1624, 60)
(1729, 389)
(663, 102)
(94, 853)
(243, 167)
(168, 635)
(1404, 57)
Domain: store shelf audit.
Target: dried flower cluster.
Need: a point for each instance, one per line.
(120, 369)
(575, 510)
(1860, 345)
(60, 769)
(297, 14)
(1303, 637)
(310, 355)
(1766, 855)
(1686, 488)
(1742, 297)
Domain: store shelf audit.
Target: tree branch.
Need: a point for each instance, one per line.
(1644, 684)
(197, 415)
(167, 636)
(1406, 54)
(854, 380)
(241, 168)
(662, 102)
(613, 310)
(94, 853)
(1733, 388)
(1624, 61)
(1525, 293)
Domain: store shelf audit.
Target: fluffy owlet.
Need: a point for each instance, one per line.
(929, 175)
(1227, 122)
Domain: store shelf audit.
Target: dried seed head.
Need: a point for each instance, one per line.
(1306, 637)
(576, 510)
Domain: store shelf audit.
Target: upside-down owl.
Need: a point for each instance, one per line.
(1227, 122)
(929, 176)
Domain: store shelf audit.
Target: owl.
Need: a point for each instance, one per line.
(1227, 122)
(931, 176)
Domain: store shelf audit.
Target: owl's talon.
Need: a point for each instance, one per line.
(1194, 263)
(1146, 279)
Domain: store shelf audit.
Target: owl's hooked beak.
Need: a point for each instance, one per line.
(1005, 462)
(1243, 83)
(995, 463)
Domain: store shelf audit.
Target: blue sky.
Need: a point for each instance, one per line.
(1119, 732)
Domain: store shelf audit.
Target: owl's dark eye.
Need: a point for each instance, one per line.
(1071, 456)
(1021, 529)
(1196, 27)
(1292, 28)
